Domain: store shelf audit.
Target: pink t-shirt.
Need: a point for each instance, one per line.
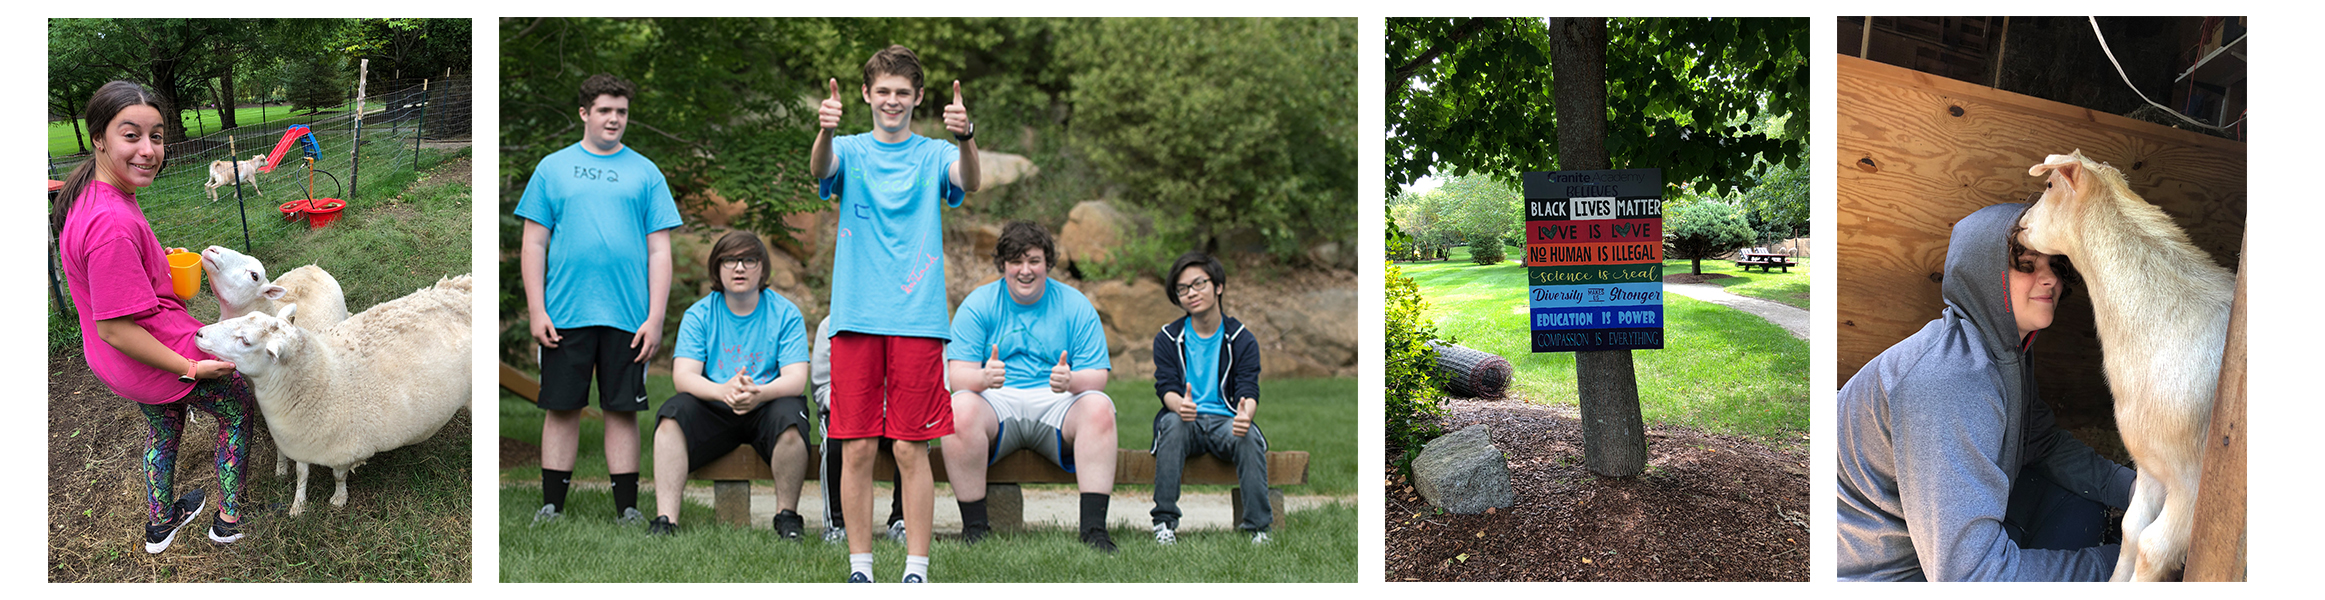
(115, 268)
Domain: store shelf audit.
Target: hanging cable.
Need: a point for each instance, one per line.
(2142, 96)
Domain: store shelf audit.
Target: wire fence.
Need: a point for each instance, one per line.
(395, 129)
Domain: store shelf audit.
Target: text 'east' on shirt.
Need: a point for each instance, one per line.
(599, 210)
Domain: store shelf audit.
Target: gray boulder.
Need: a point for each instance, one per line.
(1464, 473)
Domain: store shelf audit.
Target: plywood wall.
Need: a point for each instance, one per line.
(1917, 152)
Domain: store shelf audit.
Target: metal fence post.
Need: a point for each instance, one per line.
(421, 131)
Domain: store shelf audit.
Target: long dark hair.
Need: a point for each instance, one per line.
(108, 102)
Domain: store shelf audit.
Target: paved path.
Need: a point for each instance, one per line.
(1792, 319)
(1058, 508)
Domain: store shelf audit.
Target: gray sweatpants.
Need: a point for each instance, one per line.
(1175, 440)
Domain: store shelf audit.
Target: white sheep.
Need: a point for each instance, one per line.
(385, 378)
(240, 284)
(2161, 307)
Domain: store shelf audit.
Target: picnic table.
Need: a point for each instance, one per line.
(1764, 260)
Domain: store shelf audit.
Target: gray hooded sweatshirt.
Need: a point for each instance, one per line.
(1934, 430)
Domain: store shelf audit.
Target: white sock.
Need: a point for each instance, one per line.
(861, 563)
(916, 565)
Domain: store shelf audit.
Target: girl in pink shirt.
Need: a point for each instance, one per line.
(135, 331)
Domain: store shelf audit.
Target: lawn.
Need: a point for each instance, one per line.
(1721, 370)
(1781, 286)
(1318, 416)
(61, 142)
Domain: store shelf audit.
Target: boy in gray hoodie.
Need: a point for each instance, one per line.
(1951, 467)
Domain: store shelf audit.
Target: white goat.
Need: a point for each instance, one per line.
(239, 281)
(2161, 307)
(223, 172)
(386, 378)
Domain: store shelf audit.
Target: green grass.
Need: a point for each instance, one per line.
(61, 140)
(1721, 370)
(1785, 287)
(408, 518)
(1318, 416)
(1309, 545)
(1315, 415)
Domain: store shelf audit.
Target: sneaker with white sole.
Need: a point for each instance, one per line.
(224, 532)
(896, 532)
(1260, 538)
(1163, 534)
(547, 514)
(859, 577)
(914, 578)
(630, 516)
(159, 537)
(788, 524)
(835, 535)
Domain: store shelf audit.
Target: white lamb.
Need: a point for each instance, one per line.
(2161, 307)
(223, 173)
(239, 281)
(385, 378)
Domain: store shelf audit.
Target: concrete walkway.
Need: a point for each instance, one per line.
(1054, 508)
(1792, 319)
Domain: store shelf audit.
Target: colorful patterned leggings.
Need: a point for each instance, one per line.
(229, 400)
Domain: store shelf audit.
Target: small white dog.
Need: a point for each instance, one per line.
(222, 173)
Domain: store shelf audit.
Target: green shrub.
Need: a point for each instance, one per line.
(1485, 249)
(1704, 229)
(1414, 406)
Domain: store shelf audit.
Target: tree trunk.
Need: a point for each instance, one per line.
(226, 92)
(1614, 437)
(1697, 263)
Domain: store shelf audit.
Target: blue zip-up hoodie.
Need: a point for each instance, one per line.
(1934, 430)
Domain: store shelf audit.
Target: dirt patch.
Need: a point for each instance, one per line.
(1694, 278)
(1709, 508)
(458, 171)
(518, 453)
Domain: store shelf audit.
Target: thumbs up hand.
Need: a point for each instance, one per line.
(829, 114)
(957, 115)
(1185, 405)
(1243, 412)
(1060, 376)
(995, 371)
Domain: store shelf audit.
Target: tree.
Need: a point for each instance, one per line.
(72, 78)
(1483, 207)
(1704, 228)
(1473, 96)
(1239, 123)
(1777, 205)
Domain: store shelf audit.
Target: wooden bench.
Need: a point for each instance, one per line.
(731, 477)
(1764, 261)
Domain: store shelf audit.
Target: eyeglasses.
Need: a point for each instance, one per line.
(740, 264)
(1199, 286)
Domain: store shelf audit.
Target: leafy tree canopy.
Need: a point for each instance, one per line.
(1692, 96)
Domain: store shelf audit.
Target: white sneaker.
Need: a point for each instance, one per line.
(835, 535)
(1259, 538)
(896, 532)
(1164, 535)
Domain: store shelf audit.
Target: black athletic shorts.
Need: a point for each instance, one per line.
(605, 352)
(712, 429)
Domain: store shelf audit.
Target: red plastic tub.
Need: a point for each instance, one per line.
(292, 209)
(322, 211)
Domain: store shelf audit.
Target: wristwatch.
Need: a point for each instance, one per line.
(972, 133)
(188, 376)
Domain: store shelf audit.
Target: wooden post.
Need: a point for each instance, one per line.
(2216, 546)
(355, 148)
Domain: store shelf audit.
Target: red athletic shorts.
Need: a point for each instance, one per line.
(908, 372)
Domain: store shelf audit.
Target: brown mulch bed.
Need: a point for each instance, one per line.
(1694, 278)
(1709, 508)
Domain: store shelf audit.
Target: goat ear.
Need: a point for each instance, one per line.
(287, 310)
(273, 292)
(2063, 169)
(274, 346)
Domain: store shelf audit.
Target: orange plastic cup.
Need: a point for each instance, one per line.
(185, 274)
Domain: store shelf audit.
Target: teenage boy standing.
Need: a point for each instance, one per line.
(888, 293)
(597, 294)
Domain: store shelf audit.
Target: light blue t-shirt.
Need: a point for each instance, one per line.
(1202, 371)
(599, 210)
(760, 343)
(1030, 336)
(888, 266)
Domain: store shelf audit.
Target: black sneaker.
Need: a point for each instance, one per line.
(661, 525)
(182, 512)
(224, 532)
(971, 533)
(1097, 538)
(788, 525)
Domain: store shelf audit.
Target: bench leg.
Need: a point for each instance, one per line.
(733, 502)
(1005, 506)
(1275, 504)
